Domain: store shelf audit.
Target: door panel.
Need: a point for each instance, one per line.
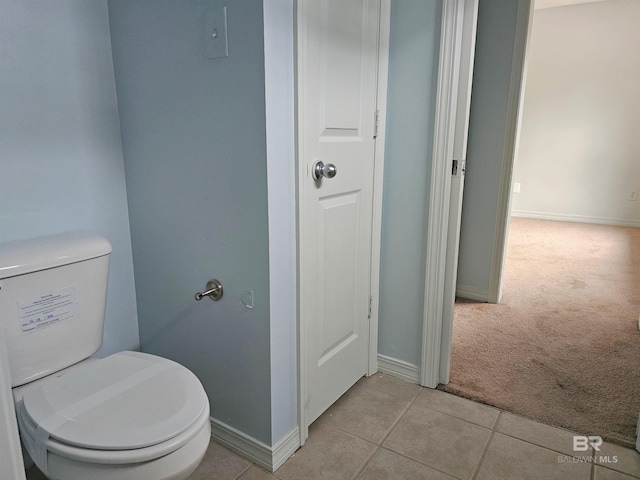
(337, 68)
(342, 40)
(467, 56)
(339, 253)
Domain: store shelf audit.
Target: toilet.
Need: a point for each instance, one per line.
(130, 415)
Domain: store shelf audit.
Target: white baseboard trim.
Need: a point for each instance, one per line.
(563, 217)
(472, 293)
(286, 447)
(399, 368)
(269, 458)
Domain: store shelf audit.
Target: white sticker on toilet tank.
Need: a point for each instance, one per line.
(48, 309)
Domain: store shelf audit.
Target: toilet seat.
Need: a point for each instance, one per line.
(114, 457)
(129, 407)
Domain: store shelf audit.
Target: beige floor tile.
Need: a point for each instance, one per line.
(221, 464)
(387, 465)
(533, 432)
(391, 385)
(328, 454)
(602, 473)
(509, 458)
(462, 408)
(367, 413)
(615, 457)
(440, 441)
(255, 473)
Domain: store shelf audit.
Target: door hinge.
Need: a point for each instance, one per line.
(370, 306)
(376, 123)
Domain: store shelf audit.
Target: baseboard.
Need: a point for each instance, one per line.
(269, 458)
(399, 368)
(286, 447)
(472, 293)
(638, 436)
(563, 217)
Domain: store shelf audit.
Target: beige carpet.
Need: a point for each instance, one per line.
(563, 346)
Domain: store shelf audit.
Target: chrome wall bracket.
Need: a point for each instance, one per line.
(213, 290)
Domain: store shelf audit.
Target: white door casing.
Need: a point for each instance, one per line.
(460, 135)
(439, 286)
(337, 92)
(10, 451)
(436, 341)
(515, 94)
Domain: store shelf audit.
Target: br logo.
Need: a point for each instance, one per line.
(581, 443)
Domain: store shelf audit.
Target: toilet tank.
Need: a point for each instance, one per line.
(53, 293)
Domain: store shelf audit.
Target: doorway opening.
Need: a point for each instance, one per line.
(567, 323)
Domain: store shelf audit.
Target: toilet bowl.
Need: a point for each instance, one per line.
(130, 415)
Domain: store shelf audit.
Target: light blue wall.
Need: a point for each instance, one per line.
(413, 65)
(193, 132)
(61, 165)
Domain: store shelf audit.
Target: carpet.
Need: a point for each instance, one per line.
(563, 346)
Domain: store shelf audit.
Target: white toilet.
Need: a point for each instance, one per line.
(127, 416)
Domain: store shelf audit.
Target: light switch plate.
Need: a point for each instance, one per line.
(216, 31)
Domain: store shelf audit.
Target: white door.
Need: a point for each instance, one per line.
(465, 80)
(457, 47)
(337, 67)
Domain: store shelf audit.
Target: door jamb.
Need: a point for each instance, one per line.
(440, 189)
(378, 177)
(517, 85)
(381, 105)
(438, 215)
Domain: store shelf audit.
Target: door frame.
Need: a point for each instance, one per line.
(517, 84)
(440, 188)
(438, 215)
(463, 103)
(381, 101)
(10, 450)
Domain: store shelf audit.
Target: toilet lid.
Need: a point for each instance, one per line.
(125, 401)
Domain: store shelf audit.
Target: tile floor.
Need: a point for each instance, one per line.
(387, 429)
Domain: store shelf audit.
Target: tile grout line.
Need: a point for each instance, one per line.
(391, 428)
(400, 417)
(546, 447)
(476, 471)
(633, 476)
(612, 469)
(419, 462)
(429, 407)
(395, 424)
(361, 469)
(245, 470)
(366, 386)
(378, 446)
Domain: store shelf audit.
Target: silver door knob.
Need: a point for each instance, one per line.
(319, 170)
